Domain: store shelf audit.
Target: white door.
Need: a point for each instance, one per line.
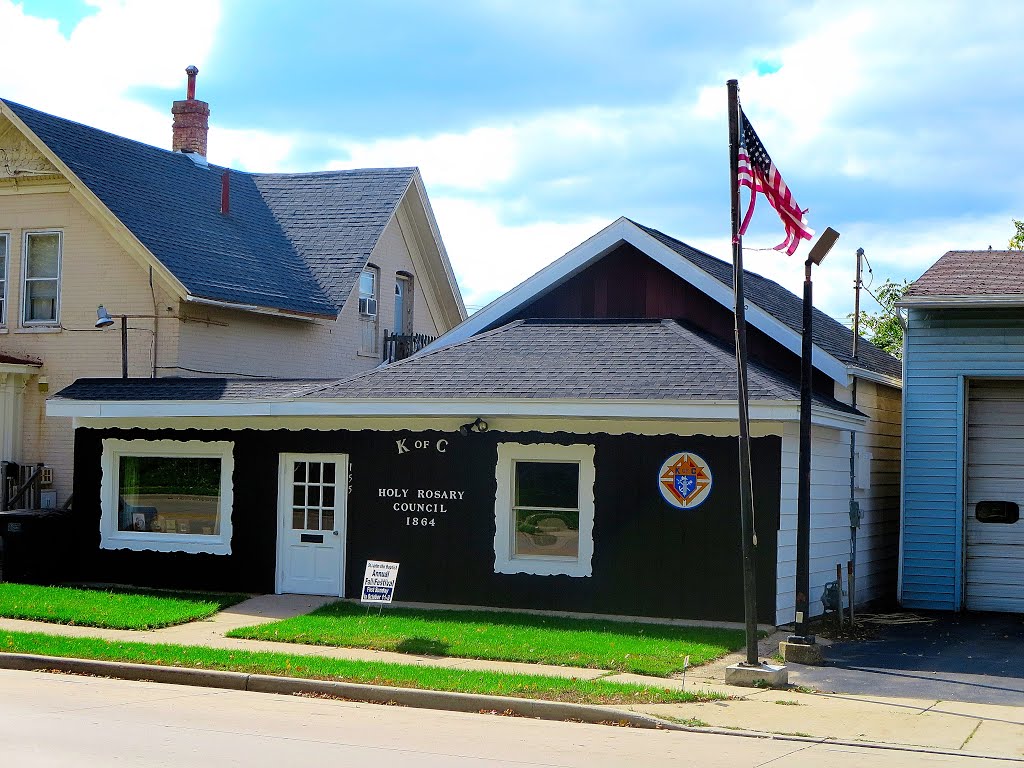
(311, 506)
(995, 473)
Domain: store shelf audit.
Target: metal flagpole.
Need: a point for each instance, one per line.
(747, 534)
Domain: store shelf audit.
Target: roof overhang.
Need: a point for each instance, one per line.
(591, 250)
(700, 410)
(255, 309)
(961, 302)
(18, 369)
(878, 378)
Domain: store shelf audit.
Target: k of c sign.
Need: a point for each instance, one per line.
(685, 480)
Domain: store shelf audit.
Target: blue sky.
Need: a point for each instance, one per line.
(537, 123)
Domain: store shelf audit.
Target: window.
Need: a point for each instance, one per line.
(5, 251)
(544, 509)
(41, 281)
(368, 311)
(167, 496)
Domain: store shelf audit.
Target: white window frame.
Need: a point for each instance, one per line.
(505, 561)
(370, 320)
(25, 278)
(112, 538)
(5, 251)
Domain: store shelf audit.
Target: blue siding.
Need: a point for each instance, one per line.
(943, 349)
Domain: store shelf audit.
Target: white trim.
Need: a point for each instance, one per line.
(25, 322)
(961, 302)
(258, 310)
(591, 250)
(701, 410)
(112, 538)
(504, 560)
(5, 251)
(877, 378)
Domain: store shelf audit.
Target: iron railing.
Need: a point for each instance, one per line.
(20, 486)
(398, 346)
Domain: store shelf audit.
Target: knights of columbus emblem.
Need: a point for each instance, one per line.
(685, 480)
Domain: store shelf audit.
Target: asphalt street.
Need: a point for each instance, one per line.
(62, 720)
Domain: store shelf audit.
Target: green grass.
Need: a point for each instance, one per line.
(649, 649)
(110, 609)
(364, 672)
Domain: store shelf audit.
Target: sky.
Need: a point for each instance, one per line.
(537, 123)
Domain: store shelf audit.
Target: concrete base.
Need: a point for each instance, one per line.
(802, 653)
(760, 676)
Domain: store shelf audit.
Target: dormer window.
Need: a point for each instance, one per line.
(368, 298)
(41, 282)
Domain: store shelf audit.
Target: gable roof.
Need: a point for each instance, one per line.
(291, 242)
(966, 278)
(771, 308)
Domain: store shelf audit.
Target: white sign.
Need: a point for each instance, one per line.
(379, 581)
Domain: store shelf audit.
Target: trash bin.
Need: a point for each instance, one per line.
(35, 545)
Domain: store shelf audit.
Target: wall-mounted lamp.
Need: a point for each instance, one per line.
(105, 320)
(477, 426)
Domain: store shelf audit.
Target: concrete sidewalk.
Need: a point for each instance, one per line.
(958, 728)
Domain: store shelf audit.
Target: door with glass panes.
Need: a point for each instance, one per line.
(312, 493)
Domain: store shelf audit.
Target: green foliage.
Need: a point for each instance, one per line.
(113, 609)
(885, 329)
(1017, 240)
(455, 679)
(646, 649)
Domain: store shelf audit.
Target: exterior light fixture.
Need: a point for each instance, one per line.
(477, 426)
(103, 318)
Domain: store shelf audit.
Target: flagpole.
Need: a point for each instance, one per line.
(747, 535)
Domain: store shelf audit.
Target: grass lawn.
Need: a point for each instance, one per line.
(365, 672)
(649, 649)
(111, 609)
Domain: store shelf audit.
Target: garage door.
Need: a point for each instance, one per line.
(995, 491)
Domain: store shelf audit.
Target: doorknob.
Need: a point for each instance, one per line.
(335, 533)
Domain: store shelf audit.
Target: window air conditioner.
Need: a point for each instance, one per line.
(368, 307)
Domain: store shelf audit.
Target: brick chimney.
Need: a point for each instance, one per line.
(191, 120)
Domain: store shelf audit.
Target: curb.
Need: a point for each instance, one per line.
(423, 699)
(375, 694)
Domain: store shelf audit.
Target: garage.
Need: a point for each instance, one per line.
(993, 532)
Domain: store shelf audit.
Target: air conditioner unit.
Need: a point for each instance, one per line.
(368, 307)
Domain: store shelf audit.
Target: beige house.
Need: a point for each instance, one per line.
(203, 270)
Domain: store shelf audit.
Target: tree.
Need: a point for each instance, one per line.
(885, 328)
(1017, 241)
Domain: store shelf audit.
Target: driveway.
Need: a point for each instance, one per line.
(975, 657)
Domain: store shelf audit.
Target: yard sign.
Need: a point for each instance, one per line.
(379, 581)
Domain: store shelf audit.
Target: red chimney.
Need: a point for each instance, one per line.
(191, 120)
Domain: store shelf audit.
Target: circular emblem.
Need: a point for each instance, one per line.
(685, 480)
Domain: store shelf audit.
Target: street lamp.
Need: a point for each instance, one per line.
(803, 509)
(105, 320)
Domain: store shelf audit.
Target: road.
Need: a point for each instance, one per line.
(61, 720)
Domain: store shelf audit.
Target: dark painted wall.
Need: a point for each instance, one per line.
(649, 558)
(628, 283)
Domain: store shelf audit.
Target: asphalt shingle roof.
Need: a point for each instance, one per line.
(294, 242)
(972, 273)
(829, 334)
(573, 359)
(184, 388)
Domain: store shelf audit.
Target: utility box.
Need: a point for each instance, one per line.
(35, 545)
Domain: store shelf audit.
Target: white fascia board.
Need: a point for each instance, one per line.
(435, 232)
(618, 409)
(878, 378)
(624, 231)
(961, 302)
(15, 369)
(258, 310)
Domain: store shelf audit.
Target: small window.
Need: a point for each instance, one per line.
(41, 281)
(368, 311)
(5, 250)
(167, 496)
(544, 509)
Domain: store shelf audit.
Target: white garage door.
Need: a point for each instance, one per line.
(995, 473)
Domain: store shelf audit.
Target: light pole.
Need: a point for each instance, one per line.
(104, 320)
(803, 510)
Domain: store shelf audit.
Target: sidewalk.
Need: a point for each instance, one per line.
(929, 723)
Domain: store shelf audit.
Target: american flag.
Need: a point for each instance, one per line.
(758, 173)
